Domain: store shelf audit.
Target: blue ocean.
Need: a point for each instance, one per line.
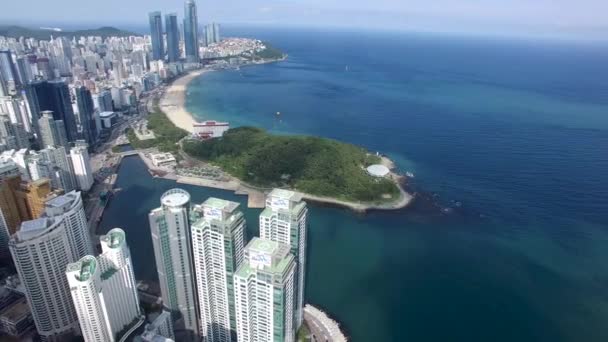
(508, 141)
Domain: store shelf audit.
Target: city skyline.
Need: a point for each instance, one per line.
(564, 17)
(206, 146)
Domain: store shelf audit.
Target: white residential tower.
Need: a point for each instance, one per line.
(264, 293)
(285, 220)
(218, 239)
(103, 289)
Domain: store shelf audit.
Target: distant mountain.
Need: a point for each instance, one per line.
(45, 34)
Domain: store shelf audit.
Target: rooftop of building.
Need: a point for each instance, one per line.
(16, 311)
(114, 238)
(7, 164)
(175, 198)
(33, 228)
(282, 204)
(32, 185)
(162, 156)
(223, 205)
(83, 268)
(63, 200)
(210, 123)
(280, 257)
(79, 149)
(264, 246)
(106, 114)
(276, 269)
(286, 194)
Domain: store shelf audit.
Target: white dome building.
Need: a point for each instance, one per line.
(378, 170)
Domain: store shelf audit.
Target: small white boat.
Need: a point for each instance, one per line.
(409, 174)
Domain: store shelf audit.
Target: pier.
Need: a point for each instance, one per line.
(322, 328)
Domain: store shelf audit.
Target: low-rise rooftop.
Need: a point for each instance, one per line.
(16, 311)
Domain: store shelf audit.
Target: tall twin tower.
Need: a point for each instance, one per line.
(221, 288)
(190, 34)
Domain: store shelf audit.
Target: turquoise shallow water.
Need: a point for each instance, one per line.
(516, 131)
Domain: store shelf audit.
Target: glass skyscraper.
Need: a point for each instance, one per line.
(191, 31)
(156, 31)
(172, 37)
(86, 109)
(53, 96)
(170, 228)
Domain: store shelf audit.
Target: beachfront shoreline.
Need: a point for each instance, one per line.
(173, 100)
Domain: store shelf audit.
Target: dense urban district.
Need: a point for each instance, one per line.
(73, 104)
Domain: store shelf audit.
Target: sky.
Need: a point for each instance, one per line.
(584, 18)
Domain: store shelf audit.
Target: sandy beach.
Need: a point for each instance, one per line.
(173, 101)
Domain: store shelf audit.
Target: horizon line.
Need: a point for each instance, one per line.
(600, 35)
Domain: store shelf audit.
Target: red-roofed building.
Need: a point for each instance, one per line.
(210, 129)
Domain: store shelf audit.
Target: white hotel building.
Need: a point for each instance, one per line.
(41, 250)
(170, 227)
(103, 289)
(70, 207)
(209, 129)
(264, 293)
(218, 239)
(285, 220)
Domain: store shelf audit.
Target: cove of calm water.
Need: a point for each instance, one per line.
(516, 131)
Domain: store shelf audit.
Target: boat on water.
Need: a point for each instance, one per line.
(409, 174)
(278, 113)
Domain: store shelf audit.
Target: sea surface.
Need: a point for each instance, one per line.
(508, 141)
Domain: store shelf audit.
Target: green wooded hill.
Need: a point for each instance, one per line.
(313, 165)
(13, 31)
(270, 52)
